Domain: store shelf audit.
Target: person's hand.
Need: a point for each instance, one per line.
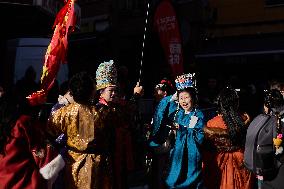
(138, 89)
(246, 118)
(174, 126)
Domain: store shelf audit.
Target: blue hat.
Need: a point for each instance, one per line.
(106, 75)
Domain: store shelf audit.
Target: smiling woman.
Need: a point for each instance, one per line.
(185, 155)
(184, 167)
(187, 99)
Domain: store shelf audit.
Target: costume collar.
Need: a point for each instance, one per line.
(103, 101)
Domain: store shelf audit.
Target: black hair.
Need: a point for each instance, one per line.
(166, 86)
(228, 106)
(64, 88)
(81, 86)
(193, 94)
(273, 100)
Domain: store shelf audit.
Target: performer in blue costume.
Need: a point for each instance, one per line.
(181, 113)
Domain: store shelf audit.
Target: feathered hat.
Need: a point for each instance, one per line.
(185, 81)
(106, 75)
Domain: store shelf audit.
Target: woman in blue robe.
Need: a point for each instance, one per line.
(185, 163)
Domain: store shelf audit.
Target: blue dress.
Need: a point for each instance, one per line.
(185, 163)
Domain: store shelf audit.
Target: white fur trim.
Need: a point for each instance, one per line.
(52, 169)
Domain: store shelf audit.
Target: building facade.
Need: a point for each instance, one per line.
(244, 37)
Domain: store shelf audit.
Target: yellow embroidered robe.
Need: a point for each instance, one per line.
(88, 163)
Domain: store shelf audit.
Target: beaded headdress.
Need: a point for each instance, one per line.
(106, 75)
(185, 81)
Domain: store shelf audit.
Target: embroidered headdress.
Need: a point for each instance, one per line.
(106, 75)
(185, 81)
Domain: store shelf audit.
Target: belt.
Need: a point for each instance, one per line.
(87, 151)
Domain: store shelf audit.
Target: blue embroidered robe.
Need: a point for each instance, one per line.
(185, 158)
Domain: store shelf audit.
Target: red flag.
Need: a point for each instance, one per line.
(165, 23)
(56, 52)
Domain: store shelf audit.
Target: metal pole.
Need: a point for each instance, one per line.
(143, 42)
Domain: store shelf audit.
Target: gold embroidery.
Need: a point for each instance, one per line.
(218, 139)
(84, 128)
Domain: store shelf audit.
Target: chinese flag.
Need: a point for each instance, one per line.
(165, 23)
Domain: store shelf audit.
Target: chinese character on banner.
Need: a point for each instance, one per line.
(165, 23)
(175, 53)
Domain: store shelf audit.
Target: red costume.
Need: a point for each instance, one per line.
(123, 154)
(26, 162)
(223, 164)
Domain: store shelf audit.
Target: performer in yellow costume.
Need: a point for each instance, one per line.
(88, 163)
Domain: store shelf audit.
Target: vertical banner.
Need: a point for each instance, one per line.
(165, 23)
(57, 50)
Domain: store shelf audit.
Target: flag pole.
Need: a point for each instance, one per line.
(143, 42)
